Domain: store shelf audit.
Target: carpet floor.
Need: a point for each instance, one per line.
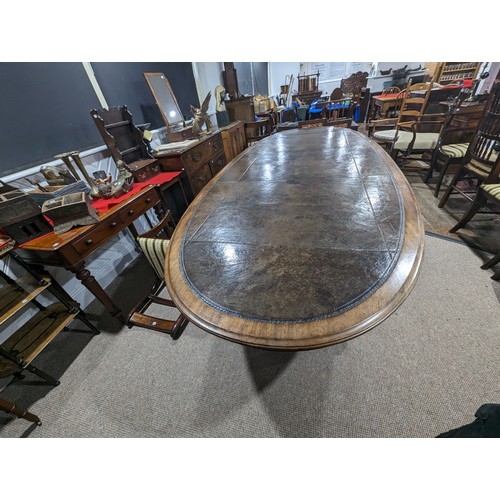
(423, 371)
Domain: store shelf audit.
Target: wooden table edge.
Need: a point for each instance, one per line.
(412, 246)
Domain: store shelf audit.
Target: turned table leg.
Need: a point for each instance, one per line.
(89, 281)
(18, 411)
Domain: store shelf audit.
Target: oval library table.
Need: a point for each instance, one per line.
(307, 239)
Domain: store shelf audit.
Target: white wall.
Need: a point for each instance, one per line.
(207, 76)
(492, 68)
(277, 73)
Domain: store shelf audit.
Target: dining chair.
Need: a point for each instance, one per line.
(155, 248)
(338, 106)
(257, 130)
(486, 193)
(454, 138)
(352, 87)
(319, 122)
(481, 161)
(402, 138)
(378, 124)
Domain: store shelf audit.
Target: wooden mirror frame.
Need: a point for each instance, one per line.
(168, 123)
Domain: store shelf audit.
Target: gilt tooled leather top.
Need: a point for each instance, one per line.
(303, 226)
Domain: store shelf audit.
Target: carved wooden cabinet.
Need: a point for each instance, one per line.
(199, 162)
(234, 139)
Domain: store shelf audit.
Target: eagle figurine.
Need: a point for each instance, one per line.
(201, 117)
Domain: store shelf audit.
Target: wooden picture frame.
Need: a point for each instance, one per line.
(165, 99)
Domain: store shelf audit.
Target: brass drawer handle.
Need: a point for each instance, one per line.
(89, 242)
(196, 156)
(202, 177)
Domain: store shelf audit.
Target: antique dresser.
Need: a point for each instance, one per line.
(199, 162)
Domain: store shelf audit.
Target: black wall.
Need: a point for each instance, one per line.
(124, 83)
(44, 111)
(45, 107)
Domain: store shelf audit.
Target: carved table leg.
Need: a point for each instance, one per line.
(159, 209)
(84, 275)
(18, 411)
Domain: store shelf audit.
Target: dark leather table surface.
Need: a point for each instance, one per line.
(301, 229)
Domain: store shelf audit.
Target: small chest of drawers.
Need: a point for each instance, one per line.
(234, 139)
(200, 162)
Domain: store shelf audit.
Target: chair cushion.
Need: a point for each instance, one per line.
(385, 135)
(492, 190)
(155, 250)
(424, 140)
(455, 150)
(479, 168)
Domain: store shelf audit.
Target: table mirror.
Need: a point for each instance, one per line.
(165, 99)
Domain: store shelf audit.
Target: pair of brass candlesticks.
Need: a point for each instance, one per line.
(103, 187)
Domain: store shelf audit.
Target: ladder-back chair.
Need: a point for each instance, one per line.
(481, 160)
(401, 137)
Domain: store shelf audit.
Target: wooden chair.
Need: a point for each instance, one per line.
(485, 193)
(454, 138)
(379, 124)
(272, 116)
(258, 130)
(319, 122)
(155, 249)
(288, 115)
(124, 140)
(482, 159)
(403, 137)
(353, 86)
(339, 122)
(338, 106)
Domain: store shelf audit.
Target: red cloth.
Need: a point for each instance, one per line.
(102, 205)
(386, 96)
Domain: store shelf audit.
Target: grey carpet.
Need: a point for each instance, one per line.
(424, 370)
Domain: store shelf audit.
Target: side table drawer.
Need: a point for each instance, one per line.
(141, 205)
(100, 233)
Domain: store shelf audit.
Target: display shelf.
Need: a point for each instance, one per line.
(27, 342)
(19, 350)
(15, 296)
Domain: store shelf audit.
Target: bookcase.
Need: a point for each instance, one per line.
(449, 72)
